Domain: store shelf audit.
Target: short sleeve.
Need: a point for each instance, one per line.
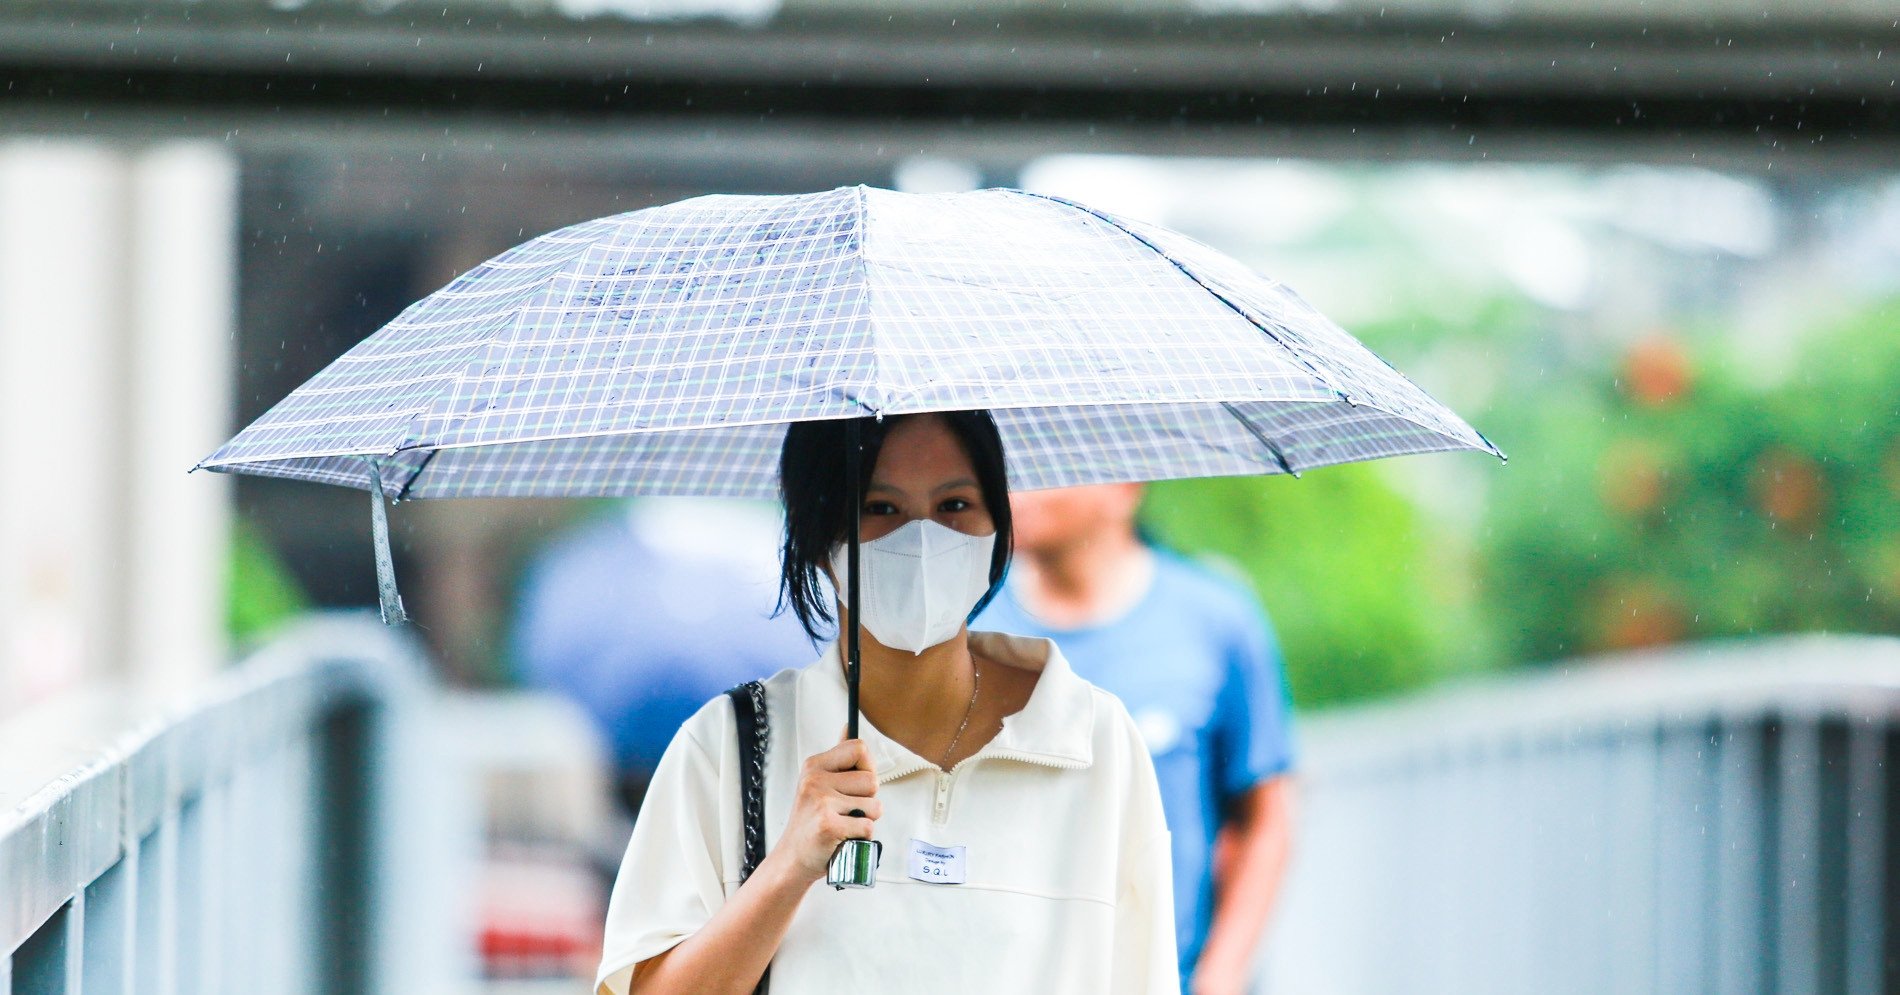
(1254, 738)
(671, 880)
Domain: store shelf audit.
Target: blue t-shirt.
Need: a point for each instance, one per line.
(1196, 663)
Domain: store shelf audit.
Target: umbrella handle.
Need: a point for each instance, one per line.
(854, 863)
(853, 468)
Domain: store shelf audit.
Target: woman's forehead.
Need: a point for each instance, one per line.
(921, 448)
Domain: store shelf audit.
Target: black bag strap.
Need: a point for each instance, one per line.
(748, 707)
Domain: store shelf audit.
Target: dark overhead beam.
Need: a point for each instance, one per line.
(1767, 83)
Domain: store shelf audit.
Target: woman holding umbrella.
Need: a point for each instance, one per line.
(662, 351)
(1016, 802)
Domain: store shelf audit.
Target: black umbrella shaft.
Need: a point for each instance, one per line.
(853, 468)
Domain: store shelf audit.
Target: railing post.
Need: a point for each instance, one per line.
(1884, 961)
(346, 911)
(1868, 876)
(1744, 845)
(1797, 864)
(384, 865)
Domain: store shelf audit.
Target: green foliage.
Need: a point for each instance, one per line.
(1705, 507)
(1657, 497)
(261, 593)
(1338, 558)
(1368, 595)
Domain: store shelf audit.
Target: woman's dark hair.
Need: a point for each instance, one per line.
(811, 479)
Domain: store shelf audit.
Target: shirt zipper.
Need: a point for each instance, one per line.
(946, 779)
(941, 814)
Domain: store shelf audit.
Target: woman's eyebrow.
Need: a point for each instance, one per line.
(879, 485)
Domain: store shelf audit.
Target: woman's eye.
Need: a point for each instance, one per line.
(954, 505)
(880, 508)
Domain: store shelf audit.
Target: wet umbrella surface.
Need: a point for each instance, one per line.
(662, 352)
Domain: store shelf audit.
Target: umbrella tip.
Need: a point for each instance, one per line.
(1491, 447)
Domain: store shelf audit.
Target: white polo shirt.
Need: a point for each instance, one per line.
(1065, 854)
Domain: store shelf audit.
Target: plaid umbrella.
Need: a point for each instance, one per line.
(662, 352)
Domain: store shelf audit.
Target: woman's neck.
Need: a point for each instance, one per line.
(916, 699)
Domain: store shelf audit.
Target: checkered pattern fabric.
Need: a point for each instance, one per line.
(663, 351)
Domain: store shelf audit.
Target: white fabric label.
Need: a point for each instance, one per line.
(936, 864)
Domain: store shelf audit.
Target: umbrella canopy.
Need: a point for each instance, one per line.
(663, 351)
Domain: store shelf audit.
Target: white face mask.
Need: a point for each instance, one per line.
(919, 583)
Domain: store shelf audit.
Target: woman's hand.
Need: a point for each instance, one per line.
(731, 951)
(833, 785)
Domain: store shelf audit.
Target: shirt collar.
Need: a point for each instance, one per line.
(1055, 727)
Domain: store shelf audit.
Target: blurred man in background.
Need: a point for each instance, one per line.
(643, 617)
(1192, 656)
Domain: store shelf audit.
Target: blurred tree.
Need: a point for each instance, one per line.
(261, 593)
(1665, 498)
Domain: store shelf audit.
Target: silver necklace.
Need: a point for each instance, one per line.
(976, 684)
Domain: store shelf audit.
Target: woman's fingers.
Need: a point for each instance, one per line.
(859, 783)
(850, 754)
(847, 826)
(857, 807)
(836, 801)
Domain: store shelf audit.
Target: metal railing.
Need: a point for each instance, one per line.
(1718, 819)
(1715, 819)
(262, 837)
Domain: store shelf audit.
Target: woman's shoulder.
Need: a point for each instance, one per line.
(1067, 707)
(714, 722)
(1115, 735)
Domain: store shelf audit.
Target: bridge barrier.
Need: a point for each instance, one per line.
(273, 833)
(1719, 818)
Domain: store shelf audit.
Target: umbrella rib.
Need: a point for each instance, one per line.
(874, 384)
(427, 458)
(1261, 437)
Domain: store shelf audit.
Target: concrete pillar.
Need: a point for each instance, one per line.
(62, 309)
(182, 347)
(116, 298)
